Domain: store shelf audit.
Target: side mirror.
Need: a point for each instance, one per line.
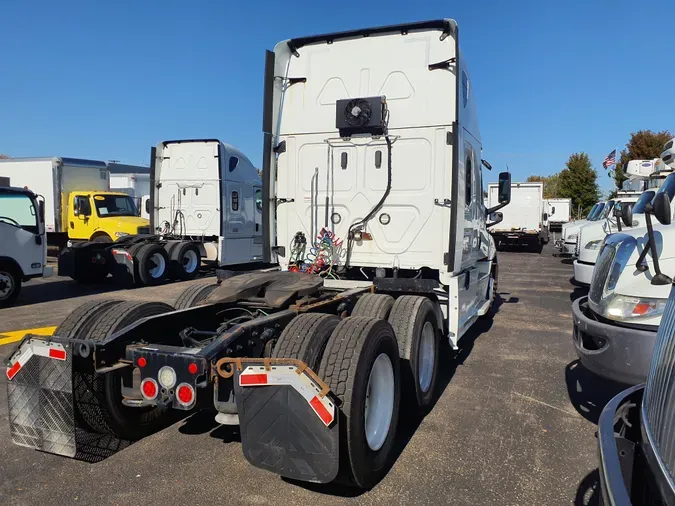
(618, 211)
(626, 215)
(545, 216)
(41, 210)
(147, 206)
(661, 206)
(553, 210)
(504, 187)
(494, 219)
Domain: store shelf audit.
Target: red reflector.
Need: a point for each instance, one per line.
(192, 368)
(641, 308)
(321, 410)
(11, 372)
(142, 362)
(253, 379)
(185, 394)
(149, 389)
(57, 354)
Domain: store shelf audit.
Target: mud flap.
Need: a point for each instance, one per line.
(41, 403)
(40, 398)
(284, 428)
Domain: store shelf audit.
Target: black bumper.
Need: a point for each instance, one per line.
(611, 351)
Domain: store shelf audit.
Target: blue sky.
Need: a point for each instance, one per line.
(84, 79)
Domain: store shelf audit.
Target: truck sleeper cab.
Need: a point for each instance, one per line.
(315, 362)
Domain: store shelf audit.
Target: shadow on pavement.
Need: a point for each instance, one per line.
(588, 492)
(588, 392)
(44, 291)
(567, 261)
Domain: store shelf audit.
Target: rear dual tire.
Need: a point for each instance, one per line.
(185, 260)
(151, 263)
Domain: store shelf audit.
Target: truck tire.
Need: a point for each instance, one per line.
(98, 397)
(361, 366)
(377, 305)
(492, 292)
(414, 322)
(103, 237)
(185, 261)
(80, 321)
(194, 294)
(152, 264)
(10, 284)
(305, 338)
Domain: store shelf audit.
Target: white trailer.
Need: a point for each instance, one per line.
(559, 212)
(523, 220)
(314, 368)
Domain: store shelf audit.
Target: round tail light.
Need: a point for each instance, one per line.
(185, 394)
(149, 388)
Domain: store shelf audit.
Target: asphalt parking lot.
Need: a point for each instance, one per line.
(514, 422)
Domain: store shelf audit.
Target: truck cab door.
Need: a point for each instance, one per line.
(80, 217)
(22, 234)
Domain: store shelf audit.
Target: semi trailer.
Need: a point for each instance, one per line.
(372, 205)
(205, 205)
(615, 326)
(23, 244)
(524, 222)
(79, 205)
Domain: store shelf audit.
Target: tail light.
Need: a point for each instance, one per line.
(185, 394)
(149, 389)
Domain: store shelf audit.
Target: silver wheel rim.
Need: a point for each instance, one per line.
(6, 285)
(426, 357)
(492, 288)
(159, 265)
(379, 402)
(190, 261)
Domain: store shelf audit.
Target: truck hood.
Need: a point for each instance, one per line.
(128, 224)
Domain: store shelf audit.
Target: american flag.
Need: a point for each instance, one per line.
(610, 159)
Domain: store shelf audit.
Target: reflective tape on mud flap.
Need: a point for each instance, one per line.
(301, 382)
(30, 348)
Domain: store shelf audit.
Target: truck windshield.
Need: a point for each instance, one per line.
(115, 205)
(645, 198)
(607, 209)
(595, 215)
(590, 213)
(18, 210)
(668, 187)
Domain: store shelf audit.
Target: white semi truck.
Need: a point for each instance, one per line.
(615, 326)
(559, 213)
(524, 221)
(631, 199)
(372, 205)
(567, 243)
(205, 206)
(23, 244)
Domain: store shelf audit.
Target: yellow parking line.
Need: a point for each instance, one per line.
(17, 335)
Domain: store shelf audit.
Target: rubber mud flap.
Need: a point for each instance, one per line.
(281, 433)
(40, 399)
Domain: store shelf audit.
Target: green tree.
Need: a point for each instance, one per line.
(579, 182)
(550, 184)
(643, 145)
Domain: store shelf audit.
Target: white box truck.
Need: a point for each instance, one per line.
(523, 220)
(559, 213)
(314, 368)
(134, 180)
(79, 205)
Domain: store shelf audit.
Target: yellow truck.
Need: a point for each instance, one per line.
(79, 205)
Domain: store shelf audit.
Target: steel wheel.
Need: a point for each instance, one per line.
(158, 265)
(427, 357)
(379, 402)
(190, 261)
(6, 285)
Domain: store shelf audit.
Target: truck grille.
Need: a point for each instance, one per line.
(600, 273)
(577, 247)
(659, 398)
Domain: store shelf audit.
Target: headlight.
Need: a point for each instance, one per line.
(593, 244)
(623, 307)
(571, 238)
(120, 234)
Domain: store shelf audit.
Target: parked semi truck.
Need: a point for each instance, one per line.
(567, 244)
(23, 241)
(79, 205)
(524, 221)
(381, 233)
(134, 180)
(636, 439)
(615, 326)
(628, 200)
(205, 205)
(559, 213)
